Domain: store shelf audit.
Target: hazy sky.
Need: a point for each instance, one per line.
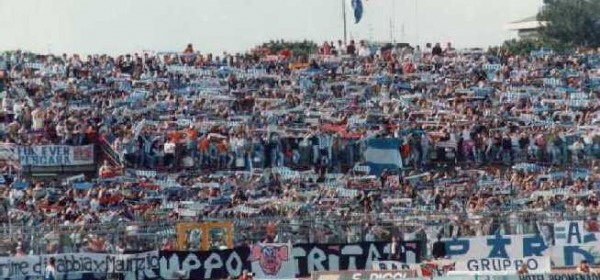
(116, 26)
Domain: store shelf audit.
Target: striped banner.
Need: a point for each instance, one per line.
(552, 82)
(145, 173)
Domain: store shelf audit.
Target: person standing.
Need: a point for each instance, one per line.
(396, 249)
(439, 249)
(50, 272)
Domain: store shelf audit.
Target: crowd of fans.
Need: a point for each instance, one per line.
(196, 136)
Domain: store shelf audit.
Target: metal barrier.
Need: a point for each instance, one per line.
(109, 153)
(153, 235)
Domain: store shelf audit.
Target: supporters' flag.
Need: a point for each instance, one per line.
(383, 154)
(19, 185)
(83, 185)
(358, 10)
(9, 152)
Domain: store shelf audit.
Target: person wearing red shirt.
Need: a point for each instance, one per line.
(286, 53)
(408, 67)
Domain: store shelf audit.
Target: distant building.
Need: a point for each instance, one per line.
(527, 27)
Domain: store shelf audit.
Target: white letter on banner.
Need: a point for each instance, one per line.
(213, 261)
(167, 270)
(191, 263)
(297, 252)
(315, 260)
(351, 251)
(372, 256)
(152, 263)
(334, 262)
(237, 271)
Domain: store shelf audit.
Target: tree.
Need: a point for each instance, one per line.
(303, 48)
(520, 47)
(571, 23)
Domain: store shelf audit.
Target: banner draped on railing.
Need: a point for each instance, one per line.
(266, 261)
(82, 266)
(277, 261)
(56, 155)
(566, 244)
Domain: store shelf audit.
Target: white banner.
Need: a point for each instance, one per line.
(496, 246)
(576, 241)
(11, 267)
(566, 243)
(56, 155)
(535, 265)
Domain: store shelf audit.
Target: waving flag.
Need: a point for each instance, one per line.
(383, 153)
(358, 10)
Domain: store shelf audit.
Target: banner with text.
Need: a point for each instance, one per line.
(535, 265)
(74, 266)
(56, 155)
(366, 275)
(553, 276)
(496, 246)
(429, 268)
(576, 241)
(279, 261)
(566, 243)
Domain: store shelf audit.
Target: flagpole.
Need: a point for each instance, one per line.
(344, 18)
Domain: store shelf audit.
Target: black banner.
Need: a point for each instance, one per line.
(355, 256)
(309, 258)
(204, 265)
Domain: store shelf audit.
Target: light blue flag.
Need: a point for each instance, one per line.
(383, 153)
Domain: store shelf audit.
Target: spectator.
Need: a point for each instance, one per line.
(439, 249)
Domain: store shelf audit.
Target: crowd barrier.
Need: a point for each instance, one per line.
(152, 235)
(264, 261)
(374, 275)
(275, 261)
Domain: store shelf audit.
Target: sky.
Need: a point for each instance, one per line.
(127, 26)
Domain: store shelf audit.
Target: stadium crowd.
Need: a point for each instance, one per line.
(486, 140)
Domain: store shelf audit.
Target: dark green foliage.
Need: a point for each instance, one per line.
(571, 23)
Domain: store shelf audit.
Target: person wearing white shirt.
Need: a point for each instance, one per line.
(50, 271)
(18, 107)
(580, 207)
(577, 149)
(94, 204)
(15, 195)
(7, 104)
(38, 119)
(169, 150)
(363, 50)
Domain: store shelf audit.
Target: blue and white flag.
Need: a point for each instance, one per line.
(383, 153)
(358, 10)
(83, 185)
